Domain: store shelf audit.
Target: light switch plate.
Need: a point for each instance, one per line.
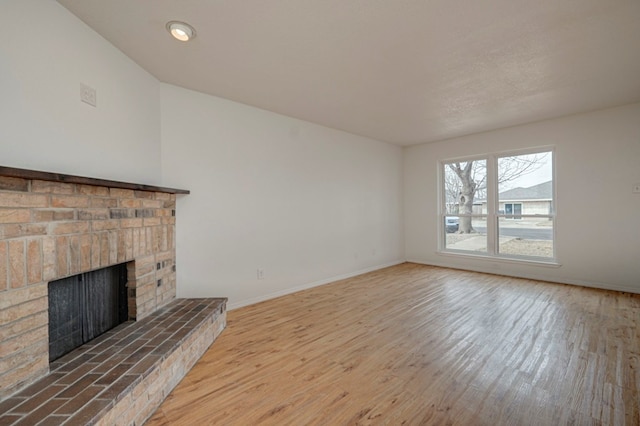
(88, 95)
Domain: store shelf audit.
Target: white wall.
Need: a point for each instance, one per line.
(598, 216)
(45, 53)
(304, 202)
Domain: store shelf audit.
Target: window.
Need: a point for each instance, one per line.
(513, 208)
(499, 205)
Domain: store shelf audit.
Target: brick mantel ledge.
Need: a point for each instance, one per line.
(63, 178)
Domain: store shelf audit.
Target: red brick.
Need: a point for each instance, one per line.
(22, 295)
(163, 196)
(85, 252)
(14, 216)
(74, 255)
(104, 225)
(166, 258)
(153, 204)
(95, 251)
(158, 233)
(52, 187)
(16, 230)
(100, 191)
(39, 319)
(147, 308)
(152, 221)
(168, 220)
(3, 266)
(128, 243)
(14, 199)
(145, 194)
(49, 259)
(34, 261)
(14, 184)
(62, 256)
(50, 215)
(25, 340)
(129, 203)
(149, 240)
(121, 193)
(122, 246)
(164, 212)
(17, 312)
(77, 227)
(104, 249)
(131, 223)
(136, 243)
(144, 266)
(27, 372)
(103, 202)
(15, 360)
(17, 276)
(69, 201)
(113, 247)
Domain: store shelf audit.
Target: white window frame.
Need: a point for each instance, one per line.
(492, 215)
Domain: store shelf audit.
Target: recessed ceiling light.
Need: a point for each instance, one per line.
(181, 30)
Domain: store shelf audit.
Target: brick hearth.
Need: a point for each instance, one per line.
(122, 376)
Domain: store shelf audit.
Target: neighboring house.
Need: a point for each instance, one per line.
(518, 201)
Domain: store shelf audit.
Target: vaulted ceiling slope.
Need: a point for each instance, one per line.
(400, 71)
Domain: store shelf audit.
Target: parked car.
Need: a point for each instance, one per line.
(451, 223)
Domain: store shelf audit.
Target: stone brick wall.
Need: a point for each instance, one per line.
(51, 230)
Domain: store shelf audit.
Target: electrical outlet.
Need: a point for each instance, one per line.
(636, 188)
(88, 95)
(260, 273)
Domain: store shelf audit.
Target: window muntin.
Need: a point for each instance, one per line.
(511, 210)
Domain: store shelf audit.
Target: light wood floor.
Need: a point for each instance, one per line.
(420, 345)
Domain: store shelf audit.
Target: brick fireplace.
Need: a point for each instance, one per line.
(54, 226)
(51, 230)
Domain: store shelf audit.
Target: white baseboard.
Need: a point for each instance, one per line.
(529, 276)
(262, 298)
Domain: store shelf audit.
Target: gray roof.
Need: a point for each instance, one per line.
(541, 191)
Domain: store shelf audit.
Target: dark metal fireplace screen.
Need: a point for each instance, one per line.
(84, 306)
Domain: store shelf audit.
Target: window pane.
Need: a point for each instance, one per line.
(526, 236)
(465, 186)
(525, 185)
(475, 241)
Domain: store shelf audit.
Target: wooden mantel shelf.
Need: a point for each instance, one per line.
(58, 177)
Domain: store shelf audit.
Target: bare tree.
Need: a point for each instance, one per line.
(470, 180)
(452, 189)
(468, 184)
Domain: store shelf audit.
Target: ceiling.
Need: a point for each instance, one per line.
(400, 71)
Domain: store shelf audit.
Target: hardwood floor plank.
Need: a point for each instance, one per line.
(420, 345)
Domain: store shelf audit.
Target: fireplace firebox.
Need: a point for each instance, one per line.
(84, 306)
